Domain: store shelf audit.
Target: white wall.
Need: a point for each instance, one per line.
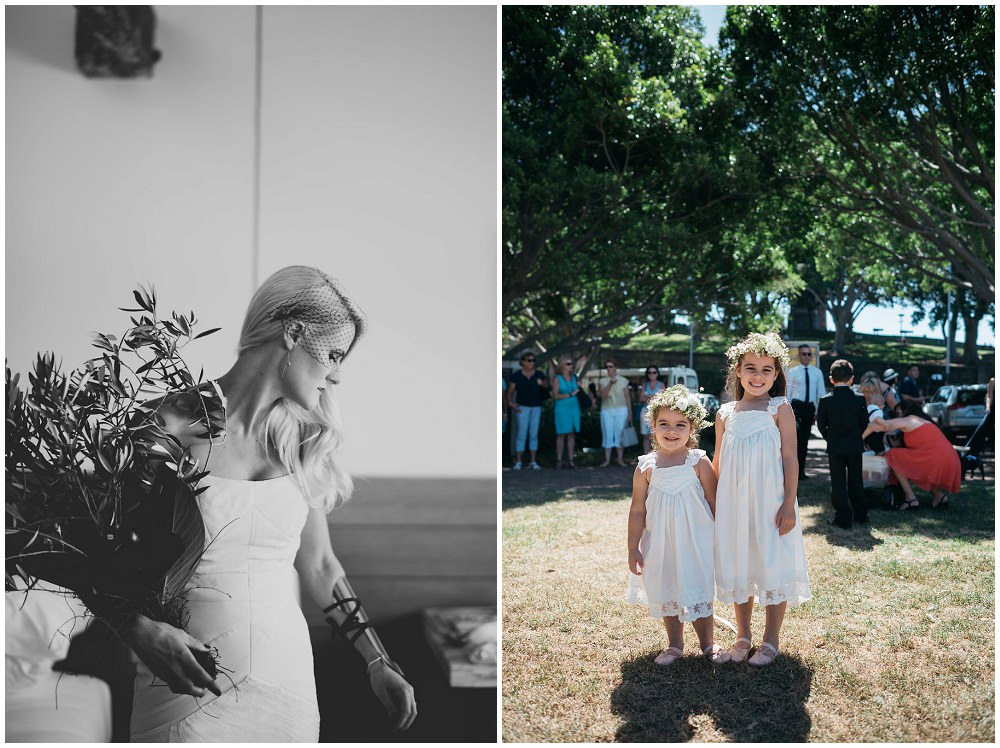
(111, 183)
(378, 165)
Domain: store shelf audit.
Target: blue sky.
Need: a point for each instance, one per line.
(712, 17)
(886, 318)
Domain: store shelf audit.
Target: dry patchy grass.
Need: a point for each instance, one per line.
(895, 646)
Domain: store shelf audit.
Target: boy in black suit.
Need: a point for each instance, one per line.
(842, 417)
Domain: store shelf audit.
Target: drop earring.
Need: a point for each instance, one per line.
(288, 362)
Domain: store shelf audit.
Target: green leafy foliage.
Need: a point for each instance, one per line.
(845, 152)
(881, 120)
(90, 468)
(623, 175)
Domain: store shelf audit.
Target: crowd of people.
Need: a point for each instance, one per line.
(880, 414)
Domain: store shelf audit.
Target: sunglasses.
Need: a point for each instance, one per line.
(653, 372)
(527, 360)
(807, 355)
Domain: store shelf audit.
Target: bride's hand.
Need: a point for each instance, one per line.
(395, 694)
(167, 651)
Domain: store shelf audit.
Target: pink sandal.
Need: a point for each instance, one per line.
(715, 654)
(763, 658)
(738, 654)
(668, 656)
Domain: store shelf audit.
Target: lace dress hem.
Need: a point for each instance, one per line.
(697, 604)
(794, 593)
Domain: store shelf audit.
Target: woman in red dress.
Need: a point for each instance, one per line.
(927, 460)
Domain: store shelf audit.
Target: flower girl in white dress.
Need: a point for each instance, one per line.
(758, 538)
(671, 530)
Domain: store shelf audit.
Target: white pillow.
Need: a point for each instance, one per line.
(38, 628)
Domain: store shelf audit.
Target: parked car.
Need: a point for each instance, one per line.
(711, 403)
(957, 409)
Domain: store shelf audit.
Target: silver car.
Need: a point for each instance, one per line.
(957, 409)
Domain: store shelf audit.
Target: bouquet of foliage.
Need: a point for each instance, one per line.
(99, 494)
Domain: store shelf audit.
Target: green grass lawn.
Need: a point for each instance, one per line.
(896, 645)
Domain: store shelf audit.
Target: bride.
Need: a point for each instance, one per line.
(272, 479)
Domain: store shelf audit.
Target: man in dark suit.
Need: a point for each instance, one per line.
(842, 418)
(805, 388)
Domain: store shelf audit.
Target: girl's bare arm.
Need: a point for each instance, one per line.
(720, 429)
(709, 481)
(785, 518)
(637, 519)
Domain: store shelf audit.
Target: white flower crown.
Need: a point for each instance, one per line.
(768, 344)
(678, 397)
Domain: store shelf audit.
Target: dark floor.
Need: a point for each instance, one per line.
(350, 712)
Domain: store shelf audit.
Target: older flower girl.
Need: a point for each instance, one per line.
(758, 540)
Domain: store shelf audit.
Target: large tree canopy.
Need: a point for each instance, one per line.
(624, 175)
(885, 115)
(846, 152)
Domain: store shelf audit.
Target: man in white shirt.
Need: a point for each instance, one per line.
(805, 386)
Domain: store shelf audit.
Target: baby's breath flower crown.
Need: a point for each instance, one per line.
(767, 344)
(679, 398)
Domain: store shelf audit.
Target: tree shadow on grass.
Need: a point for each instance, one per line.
(694, 700)
(514, 497)
(970, 517)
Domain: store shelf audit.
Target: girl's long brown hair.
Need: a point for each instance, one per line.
(734, 387)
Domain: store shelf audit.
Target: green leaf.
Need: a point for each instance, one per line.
(142, 300)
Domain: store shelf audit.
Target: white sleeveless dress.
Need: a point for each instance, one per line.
(243, 600)
(677, 543)
(751, 559)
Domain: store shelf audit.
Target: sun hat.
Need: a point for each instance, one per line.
(888, 375)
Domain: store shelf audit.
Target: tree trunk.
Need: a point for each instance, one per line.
(970, 323)
(843, 319)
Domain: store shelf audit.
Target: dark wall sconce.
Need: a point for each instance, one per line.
(115, 41)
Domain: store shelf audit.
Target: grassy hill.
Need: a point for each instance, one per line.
(867, 346)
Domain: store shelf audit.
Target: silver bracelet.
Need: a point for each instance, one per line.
(368, 668)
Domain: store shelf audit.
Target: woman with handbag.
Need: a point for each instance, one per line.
(650, 387)
(616, 411)
(567, 411)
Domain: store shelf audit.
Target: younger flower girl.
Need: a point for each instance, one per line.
(671, 526)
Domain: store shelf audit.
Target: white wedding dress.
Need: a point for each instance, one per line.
(243, 600)
(677, 543)
(751, 559)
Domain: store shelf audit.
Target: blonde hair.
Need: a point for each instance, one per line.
(870, 384)
(305, 442)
